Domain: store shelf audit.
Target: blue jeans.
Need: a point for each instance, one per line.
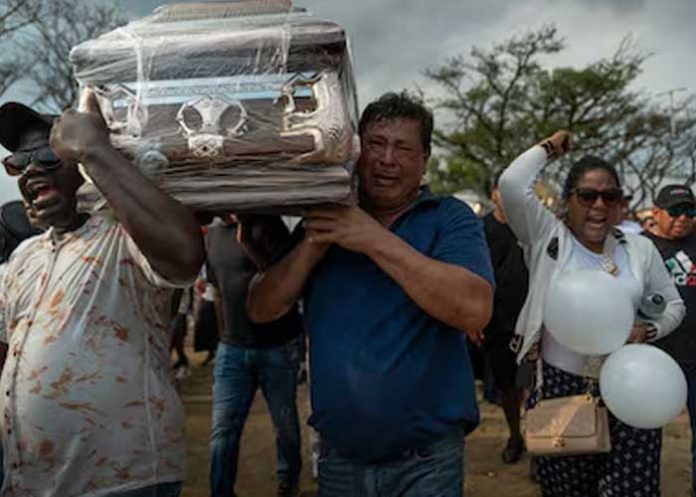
(238, 373)
(171, 489)
(437, 471)
(689, 369)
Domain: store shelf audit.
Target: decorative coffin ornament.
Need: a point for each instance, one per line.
(230, 105)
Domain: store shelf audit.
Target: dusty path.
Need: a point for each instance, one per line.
(486, 476)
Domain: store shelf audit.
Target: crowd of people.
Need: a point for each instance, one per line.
(390, 293)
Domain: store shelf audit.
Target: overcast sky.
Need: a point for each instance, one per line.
(395, 40)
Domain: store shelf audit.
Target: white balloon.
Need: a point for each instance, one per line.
(589, 312)
(643, 386)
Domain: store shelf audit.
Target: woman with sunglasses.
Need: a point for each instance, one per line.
(584, 237)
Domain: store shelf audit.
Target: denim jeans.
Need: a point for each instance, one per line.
(437, 471)
(689, 369)
(171, 489)
(238, 373)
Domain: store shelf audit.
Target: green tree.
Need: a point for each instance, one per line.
(504, 99)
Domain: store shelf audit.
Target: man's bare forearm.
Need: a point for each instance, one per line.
(274, 291)
(165, 230)
(449, 293)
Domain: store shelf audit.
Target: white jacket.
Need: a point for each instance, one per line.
(536, 228)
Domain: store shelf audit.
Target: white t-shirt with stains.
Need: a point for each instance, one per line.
(86, 395)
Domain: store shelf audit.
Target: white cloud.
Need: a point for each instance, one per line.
(395, 40)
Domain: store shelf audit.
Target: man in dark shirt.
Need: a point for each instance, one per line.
(512, 280)
(673, 236)
(250, 355)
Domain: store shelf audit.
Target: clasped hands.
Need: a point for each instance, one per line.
(347, 226)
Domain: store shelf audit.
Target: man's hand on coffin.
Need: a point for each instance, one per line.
(315, 248)
(75, 135)
(154, 220)
(350, 227)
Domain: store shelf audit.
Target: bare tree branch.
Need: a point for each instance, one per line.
(66, 24)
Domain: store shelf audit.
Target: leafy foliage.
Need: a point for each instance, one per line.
(503, 100)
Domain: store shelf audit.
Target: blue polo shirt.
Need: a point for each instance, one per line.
(387, 377)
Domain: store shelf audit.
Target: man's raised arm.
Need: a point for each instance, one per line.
(163, 229)
(275, 290)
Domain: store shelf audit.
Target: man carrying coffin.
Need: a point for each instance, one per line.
(391, 290)
(88, 406)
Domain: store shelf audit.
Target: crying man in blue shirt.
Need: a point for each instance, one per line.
(391, 288)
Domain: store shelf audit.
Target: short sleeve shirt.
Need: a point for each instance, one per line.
(511, 278)
(386, 376)
(87, 402)
(679, 256)
(231, 270)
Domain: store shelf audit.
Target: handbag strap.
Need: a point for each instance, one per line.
(590, 383)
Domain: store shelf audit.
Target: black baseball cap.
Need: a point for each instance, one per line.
(16, 119)
(673, 195)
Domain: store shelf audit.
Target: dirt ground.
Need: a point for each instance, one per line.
(486, 475)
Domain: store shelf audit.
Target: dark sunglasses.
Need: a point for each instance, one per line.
(680, 210)
(45, 157)
(588, 196)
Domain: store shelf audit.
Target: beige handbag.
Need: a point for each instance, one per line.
(567, 426)
(575, 425)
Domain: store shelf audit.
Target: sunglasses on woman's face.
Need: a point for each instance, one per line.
(680, 210)
(588, 196)
(45, 157)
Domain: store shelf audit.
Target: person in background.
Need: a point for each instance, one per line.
(511, 279)
(391, 290)
(648, 223)
(15, 227)
(181, 306)
(627, 224)
(249, 355)
(585, 238)
(646, 219)
(674, 237)
(206, 328)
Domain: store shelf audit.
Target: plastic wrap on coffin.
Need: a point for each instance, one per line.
(234, 113)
